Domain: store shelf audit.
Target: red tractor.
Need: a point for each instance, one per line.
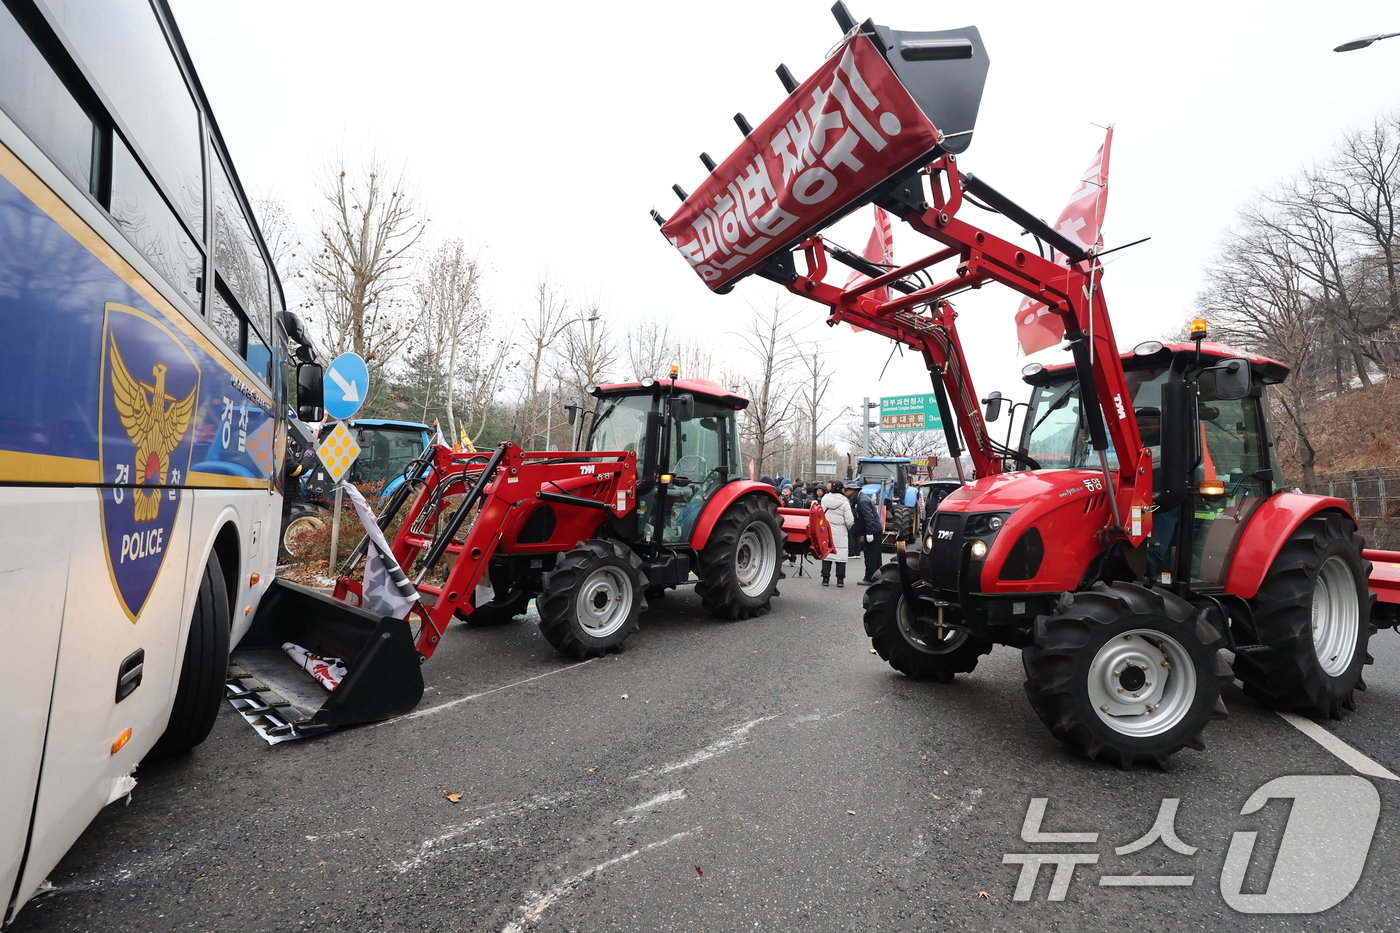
(1140, 529)
(655, 499)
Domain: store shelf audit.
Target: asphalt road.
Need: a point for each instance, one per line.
(772, 774)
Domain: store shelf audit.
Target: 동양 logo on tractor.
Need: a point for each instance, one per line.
(150, 390)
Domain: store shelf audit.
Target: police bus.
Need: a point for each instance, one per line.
(144, 361)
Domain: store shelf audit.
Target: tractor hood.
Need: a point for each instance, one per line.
(1011, 491)
(1016, 532)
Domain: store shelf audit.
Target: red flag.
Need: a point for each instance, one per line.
(879, 249)
(1081, 221)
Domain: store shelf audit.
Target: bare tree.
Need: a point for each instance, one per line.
(652, 351)
(367, 230)
(450, 314)
(772, 403)
(585, 356)
(1259, 299)
(813, 416)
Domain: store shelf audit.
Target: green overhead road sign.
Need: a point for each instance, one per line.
(910, 413)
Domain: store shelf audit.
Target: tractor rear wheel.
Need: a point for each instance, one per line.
(591, 599)
(1313, 618)
(915, 646)
(299, 532)
(1126, 673)
(899, 519)
(742, 562)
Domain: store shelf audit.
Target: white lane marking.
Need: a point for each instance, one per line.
(538, 903)
(476, 696)
(659, 799)
(639, 812)
(430, 849)
(1336, 746)
(734, 738)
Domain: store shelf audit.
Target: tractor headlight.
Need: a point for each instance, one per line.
(928, 543)
(985, 524)
(978, 549)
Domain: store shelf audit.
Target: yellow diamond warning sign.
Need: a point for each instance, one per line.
(338, 451)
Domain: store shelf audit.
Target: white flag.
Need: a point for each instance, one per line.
(387, 589)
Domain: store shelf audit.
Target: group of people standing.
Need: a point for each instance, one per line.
(855, 524)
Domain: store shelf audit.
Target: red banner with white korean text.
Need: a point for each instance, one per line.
(848, 128)
(1037, 327)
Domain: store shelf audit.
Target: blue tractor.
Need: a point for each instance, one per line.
(887, 481)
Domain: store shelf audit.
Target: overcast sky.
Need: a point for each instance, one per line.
(542, 133)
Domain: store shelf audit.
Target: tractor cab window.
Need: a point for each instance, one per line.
(1054, 432)
(386, 452)
(699, 462)
(622, 424)
(1234, 451)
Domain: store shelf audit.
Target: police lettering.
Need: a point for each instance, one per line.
(141, 544)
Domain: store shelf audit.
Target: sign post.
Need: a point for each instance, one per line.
(346, 385)
(910, 413)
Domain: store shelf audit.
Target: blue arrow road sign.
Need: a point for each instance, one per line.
(347, 383)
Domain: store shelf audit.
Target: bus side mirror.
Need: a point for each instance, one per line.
(1178, 452)
(1232, 380)
(994, 403)
(683, 407)
(310, 392)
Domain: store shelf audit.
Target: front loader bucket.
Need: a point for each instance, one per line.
(384, 677)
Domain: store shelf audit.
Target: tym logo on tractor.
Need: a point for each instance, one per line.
(1182, 543)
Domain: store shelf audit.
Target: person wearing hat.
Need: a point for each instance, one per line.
(865, 532)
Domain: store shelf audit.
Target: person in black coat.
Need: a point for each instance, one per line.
(865, 535)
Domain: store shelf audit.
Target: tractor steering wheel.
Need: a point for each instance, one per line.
(692, 467)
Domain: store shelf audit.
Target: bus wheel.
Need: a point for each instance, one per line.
(201, 686)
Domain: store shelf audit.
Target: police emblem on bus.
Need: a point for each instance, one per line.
(150, 395)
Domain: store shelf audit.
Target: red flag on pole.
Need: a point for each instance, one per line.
(1081, 221)
(879, 249)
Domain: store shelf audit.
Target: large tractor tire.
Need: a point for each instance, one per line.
(742, 562)
(917, 647)
(591, 600)
(899, 519)
(201, 685)
(300, 530)
(1126, 673)
(1313, 616)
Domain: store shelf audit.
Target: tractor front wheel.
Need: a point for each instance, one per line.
(499, 610)
(1126, 673)
(591, 599)
(1313, 618)
(742, 562)
(921, 647)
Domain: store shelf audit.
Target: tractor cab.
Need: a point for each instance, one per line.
(687, 444)
(1200, 413)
